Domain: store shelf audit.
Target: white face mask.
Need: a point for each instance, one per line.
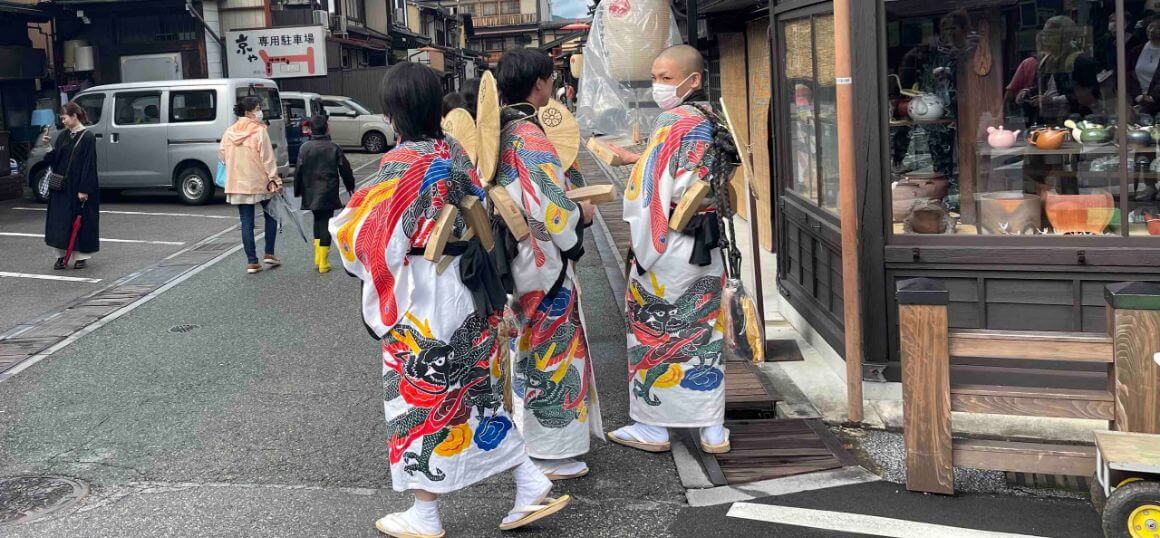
(665, 95)
(259, 115)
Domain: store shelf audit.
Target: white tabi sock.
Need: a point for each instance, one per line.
(531, 488)
(714, 435)
(424, 516)
(645, 432)
(564, 467)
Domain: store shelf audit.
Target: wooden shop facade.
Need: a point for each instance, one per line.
(1007, 148)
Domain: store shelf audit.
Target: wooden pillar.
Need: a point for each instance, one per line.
(926, 390)
(1135, 332)
(848, 206)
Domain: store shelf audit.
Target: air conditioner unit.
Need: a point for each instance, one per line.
(338, 23)
(321, 18)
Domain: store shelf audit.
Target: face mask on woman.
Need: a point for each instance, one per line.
(259, 115)
(665, 95)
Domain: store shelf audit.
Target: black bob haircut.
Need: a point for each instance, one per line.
(246, 104)
(453, 101)
(470, 93)
(518, 71)
(412, 99)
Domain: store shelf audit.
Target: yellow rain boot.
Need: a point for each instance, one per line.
(323, 259)
(317, 250)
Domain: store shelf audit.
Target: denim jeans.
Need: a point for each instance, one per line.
(246, 212)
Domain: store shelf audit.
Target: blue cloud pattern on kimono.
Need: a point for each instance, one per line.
(703, 378)
(491, 432)
(558, 306)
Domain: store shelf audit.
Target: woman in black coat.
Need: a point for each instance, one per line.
(320, 165)
(73, 155)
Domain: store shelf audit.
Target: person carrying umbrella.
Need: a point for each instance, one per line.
(73, 196)
(251, 177)
(320, 165)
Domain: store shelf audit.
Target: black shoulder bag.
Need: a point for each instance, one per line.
(55, 180)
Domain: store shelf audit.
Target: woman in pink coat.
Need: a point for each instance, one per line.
(251, 177)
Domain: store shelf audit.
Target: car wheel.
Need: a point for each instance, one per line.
(374, 142)
(194, 185)
(38, 182)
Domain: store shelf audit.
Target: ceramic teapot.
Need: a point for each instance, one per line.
(921, 107)
(1001, 138)
(1140, 136)
(925, 108)
(1048, 138)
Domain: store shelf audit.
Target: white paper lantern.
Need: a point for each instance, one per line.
(635, 32)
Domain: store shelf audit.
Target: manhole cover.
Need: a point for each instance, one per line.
(28, 498)
(184, 328)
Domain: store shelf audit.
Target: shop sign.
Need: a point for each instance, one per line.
(291, 52)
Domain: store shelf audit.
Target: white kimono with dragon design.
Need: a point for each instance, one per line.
(676, 373)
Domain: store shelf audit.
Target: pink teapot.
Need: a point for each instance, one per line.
(1001, 138)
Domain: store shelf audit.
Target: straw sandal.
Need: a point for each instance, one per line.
(715, 449)
(395, 525)
(638, 443)
(555, 476)
(536, 512)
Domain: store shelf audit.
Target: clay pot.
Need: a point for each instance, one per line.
(931, 185)
(1139, 137)
(1009, 213)
(1079, 213)
(927, 217)
(901, 107)
(1153, 223)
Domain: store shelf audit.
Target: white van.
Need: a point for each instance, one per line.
(166, 134)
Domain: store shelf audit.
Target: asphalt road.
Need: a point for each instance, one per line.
(266, 420)
(142, 228)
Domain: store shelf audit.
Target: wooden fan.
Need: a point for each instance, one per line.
(487, 127)
(461, 126)
(562, 130)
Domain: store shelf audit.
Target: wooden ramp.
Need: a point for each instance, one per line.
(747, 395)
(774, 448)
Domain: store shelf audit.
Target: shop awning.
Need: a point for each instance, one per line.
(557, 42)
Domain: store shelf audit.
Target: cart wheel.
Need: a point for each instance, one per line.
(1099, 500)
(1133, 511)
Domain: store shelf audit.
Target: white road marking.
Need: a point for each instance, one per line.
(844, 476)
(103, 239)
(5, 274)
(144, 213)
(862, 524)
(369, 176)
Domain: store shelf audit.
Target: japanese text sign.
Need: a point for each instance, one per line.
(298, 51)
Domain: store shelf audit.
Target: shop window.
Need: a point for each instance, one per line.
(1005, 118)
(137, 108)
(810, 106)
(200, 105)
(511, 7)
(94, 104)
(489, 8)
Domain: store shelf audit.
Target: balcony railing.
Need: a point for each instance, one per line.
(504, 20)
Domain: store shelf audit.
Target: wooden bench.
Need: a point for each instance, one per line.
(928, 348)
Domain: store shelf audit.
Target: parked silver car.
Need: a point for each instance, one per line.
(353, 126)
(166, 134)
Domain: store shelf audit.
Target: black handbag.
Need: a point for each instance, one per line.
(55, 180)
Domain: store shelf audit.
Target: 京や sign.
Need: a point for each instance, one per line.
(298, 51)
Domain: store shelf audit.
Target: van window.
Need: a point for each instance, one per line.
(195, 105)
(137, 108)
(93, 103)
(295, 109)
(271, 104)
(316, 106)
(338, 108)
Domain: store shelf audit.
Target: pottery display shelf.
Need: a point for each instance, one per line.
(912, 123)
(1068, 148)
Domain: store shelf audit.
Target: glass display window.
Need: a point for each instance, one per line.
(810, 109)
(1027, 118)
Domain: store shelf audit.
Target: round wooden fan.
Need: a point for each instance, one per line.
(487, 126)
(562, 130)
(461, 126)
